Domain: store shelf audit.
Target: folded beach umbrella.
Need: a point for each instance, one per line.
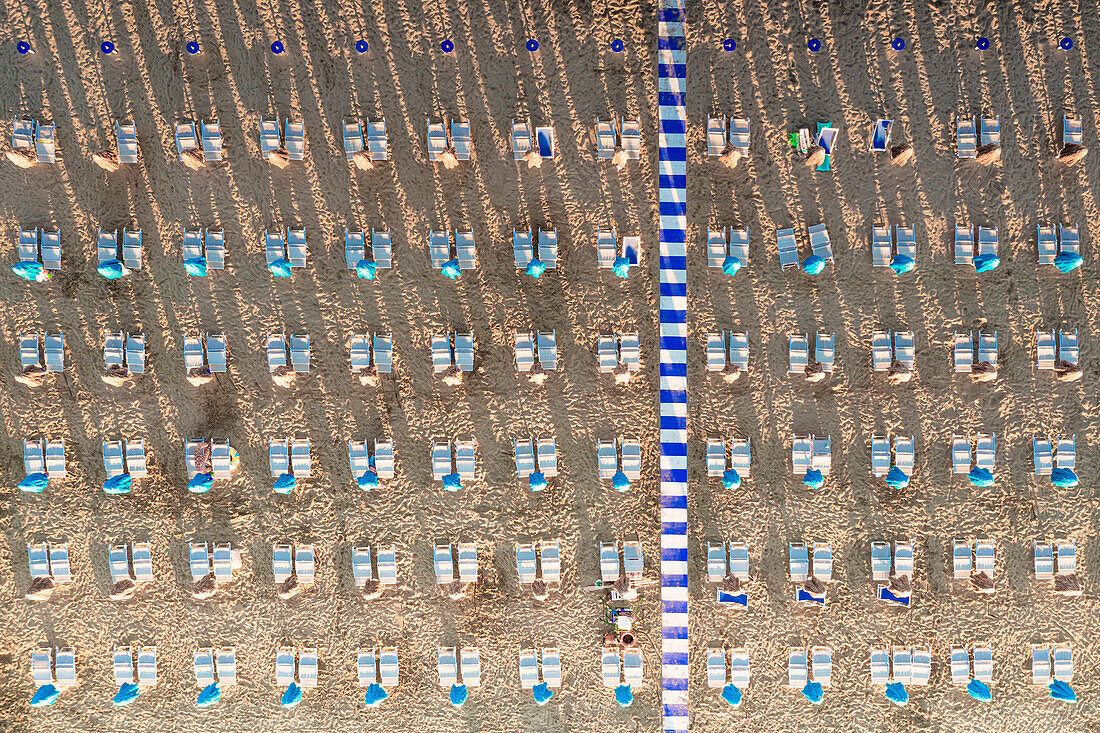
(731, 265)
(896, 478)
(731, 695)
(535, 268)
(1059, 690)
(813, 692)
(375, 695)
(367, 481)
(451, 269)
(111, 269)
(44, 696)
(624, 695)
(285, 483)
(979, 691)
(986, 263)
(292, 696)
(813, 479)
(731, 479)
(902, 264)
(980, 477)
(201, 483)
(279, 268)
(127, 693)
(542, 693)
(620, 481)
(34, 483)
(452, 482)
(813, 265)
(32, 271)
(1063, 478)
(119, 484)
(459, 693)
(537, 481)
(195, 266)
(209, 695)
(365, 269)
(896, 693)
(1068, 261)
(621, 267)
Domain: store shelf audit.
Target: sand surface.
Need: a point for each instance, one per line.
(573, 80)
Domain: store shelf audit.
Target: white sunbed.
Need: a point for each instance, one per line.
(124, 666)
(882, 246)
(990, 131)
(113, 346)
(739, 668)
(45, 142)
(962, 556)
(460, 138)
(903, 558)
(987, 348)
(716, 457)
(470, 666)
(1069, 239)
(1068, 350)
(964, 352)
(60, 570)
(354, 248)
(526, 562)
(985, 448)
(294, 140)
(1044, 560)
(528, 668)
(903, 664)
(605, 140)
(439, 248)
(126, 140)
(799, 352)
(607, 458)
(987, 240)
(436, 140)
(548, 247)
(1042, 456)
(550, 561)
(444, 565)
(55, 459)
(1065, 552)
(42, 666)
(1065, 455)
(200, 560)
(307, 667)
(301, 465)
(716, 136)
(629, 351)
(1072, 130)
(611, 666)
(802, 448)
(270, 138)
(467, 562)
(38, 560)
(819, 242)
(716, 562)
(1063, 663)
(799, 562)
(225, 662)
(299, 352)
(630, 135)
(223, 561)
(632, 666)
(551, 667)
(521, 139)
(361, 566)
(739, 135)
(739, 560)
(881, 350)
(220, 459)
(880, 561)
(296, 250)
(386, 564)
(823, 561)
(447, 666)
(366, 666)
(631, 453)
(716, 351)
(147, 666)
(607, 350)
(212, 141)
(1047, 245)
(388, 666)
(964, 245)
(606, 249)
(353, 138)
(381, 248)
(905, 348)
(960, 665)
(821, 661)
(966, 137)
(548, 350)
(465, 459)
(633, 563)
(906, 241)
(960, 454)
(983, 662)
(523, 248)
(547, 453)
(609, 562)
(377, 141)
(825, 350)
(282, 562)
(797, 667)
(880, 665)
(466, 251)
(304, 563)
(187, 138)
(284, 665)
(788, 248)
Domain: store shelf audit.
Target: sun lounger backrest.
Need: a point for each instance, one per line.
(124, 665)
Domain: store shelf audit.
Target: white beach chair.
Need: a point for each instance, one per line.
(611, 666)
(983, 662)
(526, 563)
(629, 351)
(716, 457)
(362, 569)
(822, 458)
(465, 250)
(905, 348)
(278, 456)
(34, 460)
(819, 241)
(1068, 350)
(880, 455)
(1047, 245)
(223, 561)
(1065, 455)
(226, 665)
(124, 666)
(296, 250)
(880, 665)
(441, 459)
(606, 249)
(903, 558)
(444, 565)
(990, 131)
(27, 245)
(439, 248)
(797, 667)
(799, 352)
(465, 459)
(1072, 130)
(964, 352)
(964, 245)
(631, 453)
(962, 555)
(607, 349)
(126, 140)
(282, 562)
(548, 350)
(547, 457)
(987, 240)
(739, 245)
(294, 140)
(716, 351)
(1045, 351)
(386, 564)
(366, 667)
(609, 562)
(605, 139)
(377, 141)
(633, 563)
(1063, 663)
(739, 560)
(1069, 239)
(524, 351)
(212, 141)
(548, 247)
(353, 138)
(200, 560)
(987, 348)
(307, 667)
(270, 139)
(1044, 560)
(881, 351)
(788, 248)
(739, 135)
(880, 561)
(470, 666)
(112, 349)
(135, 353)
(53, 351)
(284, 665)
(193, 357)
(984, 556)
(906, 241)
(460, 139)
(141, 554)
(716, 562)
(550, 561)
(521, 139)
(799, 562)
(29, 354)
(221, 459)
(825, 350)
(55, 459)
(381, 248)
(823, 562)
(359, 352)
(632, 666)
(985, 446)
(528, 668)
(922, 665)
(147, 666)
(739, 668)
(354, 248)
(966, 137)
(60, 569)
(301, 465)
(607, 458)
(274, 246)
(716, 136)
(106, 246)
(187, 138)
(802, 448)
(821, 660)
(38, 560)
(1041, 673)
(299, 352)
(42, 666)
(388, 666)
(523, 248)
(467, 562)
(304, 563)
(882, 246)
(903, 665)
(22, 135)
(551, 667)
(1066, 552)
(630, 135)
(436, 140)
(960, 665)
(45, 142)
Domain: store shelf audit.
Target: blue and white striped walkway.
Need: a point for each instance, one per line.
(672, 185)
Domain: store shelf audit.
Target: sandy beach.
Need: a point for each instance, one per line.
(574, 78)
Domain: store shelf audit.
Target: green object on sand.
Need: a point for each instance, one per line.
(824, 166)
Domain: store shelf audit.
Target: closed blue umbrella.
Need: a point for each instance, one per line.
(731, 265)
(452, 482)
(368, 480)
(896, 693)
(620, 482)
(459, 693)
(535, 268)
(34, 483)
(731, 479)
(1068, 261)
(980, 477)
(813, 479)
(375, 695)
(126, 694)
(32, 271)
(624, 695)
(119, 484)
(111, 269)
(731, 695)
(1059, 690)
(195, 266)
(621, 267)
(209, 695)
(896, 478)
(285, 483)
(292, 696)
(451, 269)
(902, 264)
(279, 268)
(542, 693)
(813, 265)
(44, 696)
(365, 269)
(537, 481)
(201, 483)
(1063, 478)
(986, 263)
(813, 692)
(979, 691)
